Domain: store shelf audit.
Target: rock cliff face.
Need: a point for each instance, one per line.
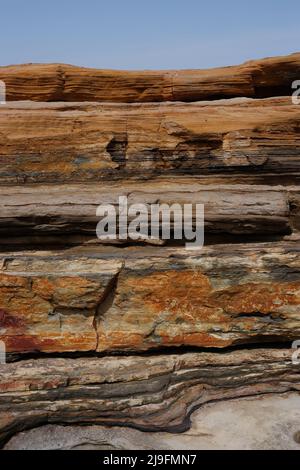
(141, 333)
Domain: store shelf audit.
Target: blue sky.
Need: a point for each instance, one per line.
(151, 34)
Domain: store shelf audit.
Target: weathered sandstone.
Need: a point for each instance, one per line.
(150, 393)
(238, 424)
(69, 142)
(138, 299)
(61, 213)
(60, 82)
(135, 333)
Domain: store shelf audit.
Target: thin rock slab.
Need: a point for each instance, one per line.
(69, 211)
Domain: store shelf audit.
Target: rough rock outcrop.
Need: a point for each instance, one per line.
(60, 82)
(243, 424)
(68, 142)
(122, 391)
(139, 299)
(66, 213)
(189, 327)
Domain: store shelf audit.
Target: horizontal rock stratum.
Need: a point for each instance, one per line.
(265, 430)
(60, 82)
(140, 333)
(153, 393)
(135, 300)
(65, 142)
(66, 214)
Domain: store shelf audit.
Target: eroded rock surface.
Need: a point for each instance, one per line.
(139, 333)
(51, 142)
(150, 393)
(244, 424)
(60, 82)
(139, 299)
(64, 213)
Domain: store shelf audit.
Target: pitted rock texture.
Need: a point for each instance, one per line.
(60, 82)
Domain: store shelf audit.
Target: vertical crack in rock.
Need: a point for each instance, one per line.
(105, 303)
(59, 93)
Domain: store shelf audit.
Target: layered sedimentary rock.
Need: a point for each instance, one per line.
(118, 390)
(243, 424)
(63, 213)
(136, 300)
(98, 332)
(60, 82)
(68, 142)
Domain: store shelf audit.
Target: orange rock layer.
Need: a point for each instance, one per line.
(62, 142)
(60, 82)
(150, 298)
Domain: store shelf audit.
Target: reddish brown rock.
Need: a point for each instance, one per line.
(51, 312)
(140, 299)
(59, 161)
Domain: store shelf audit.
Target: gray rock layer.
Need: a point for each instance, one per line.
(244, 424)
(151, 393)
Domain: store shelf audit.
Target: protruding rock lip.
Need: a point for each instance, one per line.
(60, 82)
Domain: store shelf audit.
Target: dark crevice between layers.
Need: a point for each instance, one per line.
(60, 242)
(267, 342)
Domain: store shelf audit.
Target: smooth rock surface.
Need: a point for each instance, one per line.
(67, 211)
